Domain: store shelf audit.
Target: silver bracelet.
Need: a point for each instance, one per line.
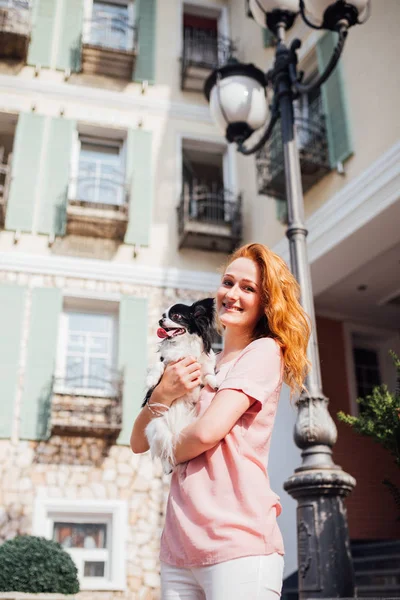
(157, 405)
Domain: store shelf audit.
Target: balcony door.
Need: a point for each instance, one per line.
(200, 39)
(204, 182)
(111, 24)
(101, 177)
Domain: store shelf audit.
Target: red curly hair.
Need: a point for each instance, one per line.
(284, 318)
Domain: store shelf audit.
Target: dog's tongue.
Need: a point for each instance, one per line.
(162, 333)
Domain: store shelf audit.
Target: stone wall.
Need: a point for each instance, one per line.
(84, 468)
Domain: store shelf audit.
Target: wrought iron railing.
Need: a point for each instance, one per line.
(212, 204)
(107, 383)
(91, 406)
(204, 49)
(111, 31)
(313, 149)
(100, 186)
(17, 16)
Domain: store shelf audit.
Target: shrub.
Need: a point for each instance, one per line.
(379, 419)
(36, 565)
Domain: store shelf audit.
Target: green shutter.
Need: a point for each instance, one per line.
(12, 302)
(146, 21)
(139, 179)
(25, 171)
(55, 176)
(40, 362)
(335, 106)
(69, 46)
(43, 18)
(132, 359)
(268, 38)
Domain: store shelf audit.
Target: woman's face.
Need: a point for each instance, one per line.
(239, 296)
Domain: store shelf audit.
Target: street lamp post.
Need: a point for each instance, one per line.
(237, 96)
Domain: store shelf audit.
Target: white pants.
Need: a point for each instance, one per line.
(248, 578)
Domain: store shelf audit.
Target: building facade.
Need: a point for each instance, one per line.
(118, 197)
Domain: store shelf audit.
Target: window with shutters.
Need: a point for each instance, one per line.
(15, 28)
(8, 125)
(93, 533)
(110, 39)
(87, 396)
(209, 212)
(205, 44)
(98, 190)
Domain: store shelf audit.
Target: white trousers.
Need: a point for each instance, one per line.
(247, 578)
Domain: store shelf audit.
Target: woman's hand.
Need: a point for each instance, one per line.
(178, 379)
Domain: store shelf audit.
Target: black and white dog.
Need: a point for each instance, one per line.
(185, 331)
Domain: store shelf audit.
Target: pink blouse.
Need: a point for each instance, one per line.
(220, 504)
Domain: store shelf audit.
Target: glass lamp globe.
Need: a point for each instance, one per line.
(237, 98)
(325, 14)
(261, 8)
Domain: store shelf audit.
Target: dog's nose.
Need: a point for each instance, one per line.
(160, 322)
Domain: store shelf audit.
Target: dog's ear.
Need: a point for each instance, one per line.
(204, 308)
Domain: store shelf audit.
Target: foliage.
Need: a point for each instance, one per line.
(36, 565)
(379, 419)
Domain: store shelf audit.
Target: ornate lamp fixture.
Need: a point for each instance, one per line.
(238, 94)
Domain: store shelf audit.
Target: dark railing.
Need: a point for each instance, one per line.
(112, 31)
(204, 49)
(313, 150)
(90, 405)
(208, 204)
(15, 17)
(107, 383)
(209, 217)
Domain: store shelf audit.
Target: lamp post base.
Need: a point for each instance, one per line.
(325, 564)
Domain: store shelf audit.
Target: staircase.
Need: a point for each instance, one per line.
(376, 569)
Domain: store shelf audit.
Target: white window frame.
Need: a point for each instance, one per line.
(206, 9)
(87, 15)
(100, 139)
(79, 307)
(376, 339)
(114, 513)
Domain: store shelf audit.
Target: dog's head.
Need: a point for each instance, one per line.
(197, 319)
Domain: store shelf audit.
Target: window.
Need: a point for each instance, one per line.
(93, 532)
(369, 363)
(87, 353)
(367, 371)
(200, 39)
(112, 25)
(87, 543)
(101, 177)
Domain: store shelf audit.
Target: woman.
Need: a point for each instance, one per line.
(221, 540)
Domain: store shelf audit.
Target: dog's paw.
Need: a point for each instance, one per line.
(211, 380)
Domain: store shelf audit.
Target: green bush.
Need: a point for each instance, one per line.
(36, 565)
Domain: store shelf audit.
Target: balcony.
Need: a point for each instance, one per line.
(89, 407)
(313, 150)
(15, 28)
(98, 202)
(109, 46)
(203, 51)
(209, 219)
(5, 178)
